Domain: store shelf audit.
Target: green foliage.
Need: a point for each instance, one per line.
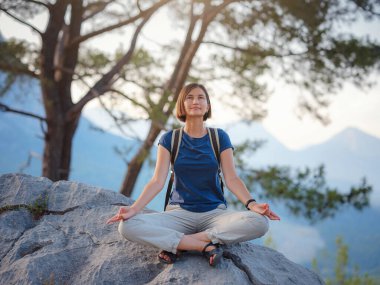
(302, 43)
(17, 58)
(144, 70)
(142, 58)
(12, 52)
(247, 148)
(341, 269)
(304, 192)
(314, 265)
(269, 242)
(38, 208)
(93, 61)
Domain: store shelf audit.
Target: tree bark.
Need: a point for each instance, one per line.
(51, 167)
(58, 148)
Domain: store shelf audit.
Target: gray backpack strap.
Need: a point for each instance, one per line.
(214, 139)
(176, 142)
(174, 149)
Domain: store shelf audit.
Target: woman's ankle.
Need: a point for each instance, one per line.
(201, 236)
(189, 242)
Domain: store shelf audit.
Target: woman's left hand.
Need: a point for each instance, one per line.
(263, 209)
(123, 214)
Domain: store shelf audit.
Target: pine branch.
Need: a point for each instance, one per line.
(104, 83)
(118, 125)
(39, 3)
(83, 38)
(255, 53)
(100, 6)
(135, 102)
(18, 70)
(5, 108)
(365, 7)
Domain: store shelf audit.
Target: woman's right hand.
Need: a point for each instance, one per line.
(263, 209)
(123, 214)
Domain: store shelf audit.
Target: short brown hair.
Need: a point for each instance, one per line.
(180, 106)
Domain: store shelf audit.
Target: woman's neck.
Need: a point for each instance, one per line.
(195, 129)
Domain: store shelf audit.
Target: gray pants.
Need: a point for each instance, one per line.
(164, 230)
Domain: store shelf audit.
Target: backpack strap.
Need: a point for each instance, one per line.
(214, 138)
(175, 144)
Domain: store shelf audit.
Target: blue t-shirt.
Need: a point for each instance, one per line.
(196, 184)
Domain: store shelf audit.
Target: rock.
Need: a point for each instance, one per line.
(69, 243)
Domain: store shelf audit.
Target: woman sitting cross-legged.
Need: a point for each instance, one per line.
(196, 217)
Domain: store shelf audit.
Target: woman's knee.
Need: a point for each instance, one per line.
(259, 224)
(129, 229)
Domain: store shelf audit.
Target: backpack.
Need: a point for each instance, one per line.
(175, 144)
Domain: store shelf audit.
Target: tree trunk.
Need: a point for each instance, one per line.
(58, 148)
(70, 129)
(54, 137)
(52, 151)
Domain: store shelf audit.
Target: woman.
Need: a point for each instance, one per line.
(197, 217)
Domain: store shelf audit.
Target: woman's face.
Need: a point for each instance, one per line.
(196, 103)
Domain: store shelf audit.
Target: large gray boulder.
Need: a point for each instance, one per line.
(55, 233)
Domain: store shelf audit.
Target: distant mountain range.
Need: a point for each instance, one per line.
(348, 156)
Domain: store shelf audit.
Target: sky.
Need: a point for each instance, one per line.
(350, 107)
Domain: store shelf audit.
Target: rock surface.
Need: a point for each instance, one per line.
(69, 243)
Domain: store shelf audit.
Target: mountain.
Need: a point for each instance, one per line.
(348, 156)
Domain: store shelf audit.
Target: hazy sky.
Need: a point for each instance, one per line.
(349, 108)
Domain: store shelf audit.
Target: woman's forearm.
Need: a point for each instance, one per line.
(238, 188)
(150, 191)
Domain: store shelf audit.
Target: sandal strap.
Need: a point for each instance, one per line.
(211, 252)
(217, 252)
(206, 246)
